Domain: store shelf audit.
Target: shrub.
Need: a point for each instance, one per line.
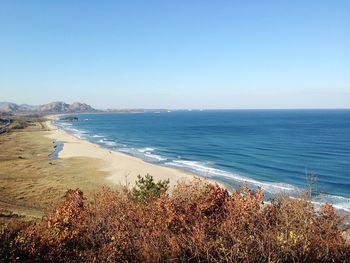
(17, 124)
(198, 222)
(146, 187)
(9, 231)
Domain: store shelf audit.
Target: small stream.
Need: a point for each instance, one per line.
(57, 148)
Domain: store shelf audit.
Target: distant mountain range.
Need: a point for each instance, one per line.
(52, 107)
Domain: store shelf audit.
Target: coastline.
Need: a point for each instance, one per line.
(121, 168)
(118, 165)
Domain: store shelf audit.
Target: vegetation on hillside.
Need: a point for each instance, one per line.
(17, 124)
(197, 222)
(146, 188)
(20, 122)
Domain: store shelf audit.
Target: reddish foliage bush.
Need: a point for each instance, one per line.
(197, 222)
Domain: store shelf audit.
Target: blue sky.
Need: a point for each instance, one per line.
(176, 54)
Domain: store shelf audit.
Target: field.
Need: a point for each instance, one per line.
(30, 182)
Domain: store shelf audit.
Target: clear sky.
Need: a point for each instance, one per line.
(176, 54)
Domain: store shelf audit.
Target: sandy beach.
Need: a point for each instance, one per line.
(32, 183)
(122, 168)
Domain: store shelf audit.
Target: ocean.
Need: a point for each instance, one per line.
(273, 149)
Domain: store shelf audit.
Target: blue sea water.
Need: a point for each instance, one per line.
(273, 149)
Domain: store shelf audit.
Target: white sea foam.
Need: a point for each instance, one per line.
(155, 157)
(75, 132)
(107, 142)
(110, 143)
(207, 171)
(65, 124)
(146, 149)
(338, 202)
(97, 136)
(131, 151)
(146, 153)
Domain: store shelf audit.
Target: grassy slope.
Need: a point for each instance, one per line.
(30, 182)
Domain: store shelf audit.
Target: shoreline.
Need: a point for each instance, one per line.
(121, 168)
(119, 163)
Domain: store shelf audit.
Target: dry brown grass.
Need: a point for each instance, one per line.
(198, 222)
(31, 183)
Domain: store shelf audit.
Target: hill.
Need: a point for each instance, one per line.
(197, 222)
(13, 107)
(52, 107)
